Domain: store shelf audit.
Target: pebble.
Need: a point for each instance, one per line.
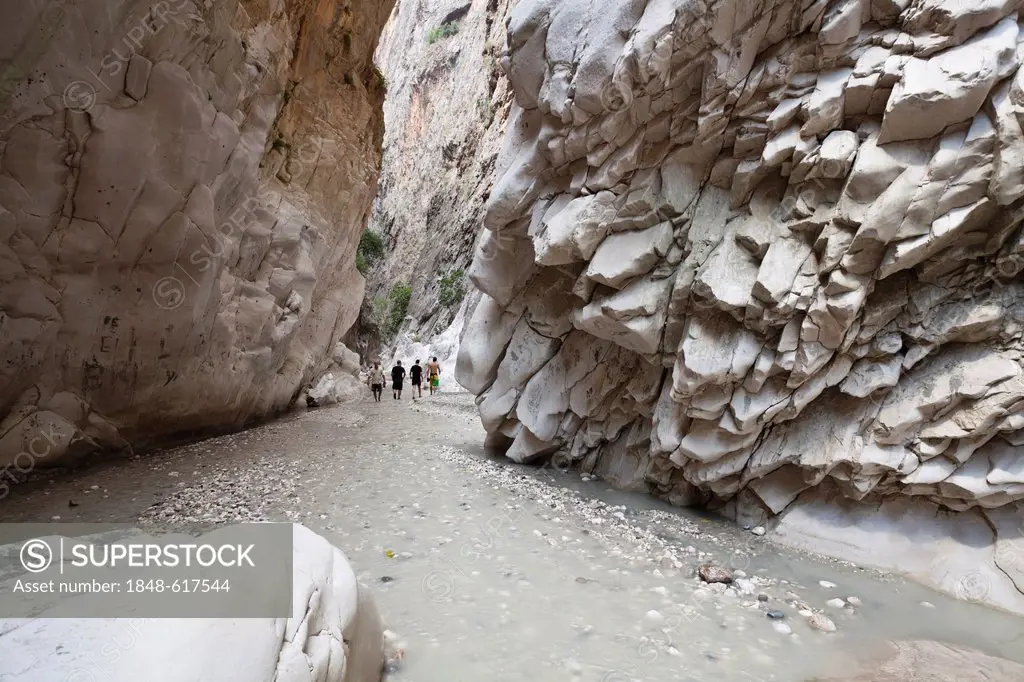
(759, 530)
(745, 586)
(836, 603)
(782, 628)
(775, 614)
(386, 579)
(928, 605)
(654, 616)
(762, 597)
(826, 584)
(715, 574)
(853, 601)
(394, 652)
(821, 622)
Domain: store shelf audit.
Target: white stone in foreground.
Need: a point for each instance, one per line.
(333, 635)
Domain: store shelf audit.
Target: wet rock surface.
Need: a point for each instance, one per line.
(918, 661)
(476, 547)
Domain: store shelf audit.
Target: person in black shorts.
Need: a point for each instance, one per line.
(376, 381)
(397, 377)
(416, 377)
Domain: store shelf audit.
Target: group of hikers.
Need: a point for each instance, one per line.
(375, 380)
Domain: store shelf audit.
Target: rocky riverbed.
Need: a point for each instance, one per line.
(489, 570)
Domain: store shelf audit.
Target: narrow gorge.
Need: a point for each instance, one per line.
(726, 295)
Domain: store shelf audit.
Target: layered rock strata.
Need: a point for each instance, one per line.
(763, 254)
(183, 184)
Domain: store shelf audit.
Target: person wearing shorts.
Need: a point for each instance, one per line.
(434, 374)
(397, 377)
(416, 379)
(376, 381)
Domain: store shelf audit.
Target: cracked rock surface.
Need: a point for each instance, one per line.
(183, 185)
(762, 256)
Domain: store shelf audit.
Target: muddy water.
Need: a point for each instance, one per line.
(490, 571)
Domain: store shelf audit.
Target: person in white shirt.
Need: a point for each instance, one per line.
(375, 380)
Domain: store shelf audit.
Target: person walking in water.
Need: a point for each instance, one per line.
(397, 377)
(376, 381)
(416, 378)
(434, 372)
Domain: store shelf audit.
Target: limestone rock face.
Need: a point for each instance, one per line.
(182, 188)
(334, 635)
(762, 250)
(445, 114)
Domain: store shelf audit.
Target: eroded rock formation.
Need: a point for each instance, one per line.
(445, 114)
(763, 255)
(334, 635)
(183, 184)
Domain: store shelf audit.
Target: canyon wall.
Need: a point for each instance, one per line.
(445, 114)
(763, 256)
(183, 184)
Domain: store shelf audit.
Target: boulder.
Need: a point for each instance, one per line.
(333, 635)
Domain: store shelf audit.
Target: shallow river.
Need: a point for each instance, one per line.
(490, 571)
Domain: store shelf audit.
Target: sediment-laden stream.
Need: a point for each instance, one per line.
(488, 570)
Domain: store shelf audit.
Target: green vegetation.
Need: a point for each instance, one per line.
(399, 298)
(380, 309)
(452, 288)
(441, 32)
(483, 107)
(371, 250)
